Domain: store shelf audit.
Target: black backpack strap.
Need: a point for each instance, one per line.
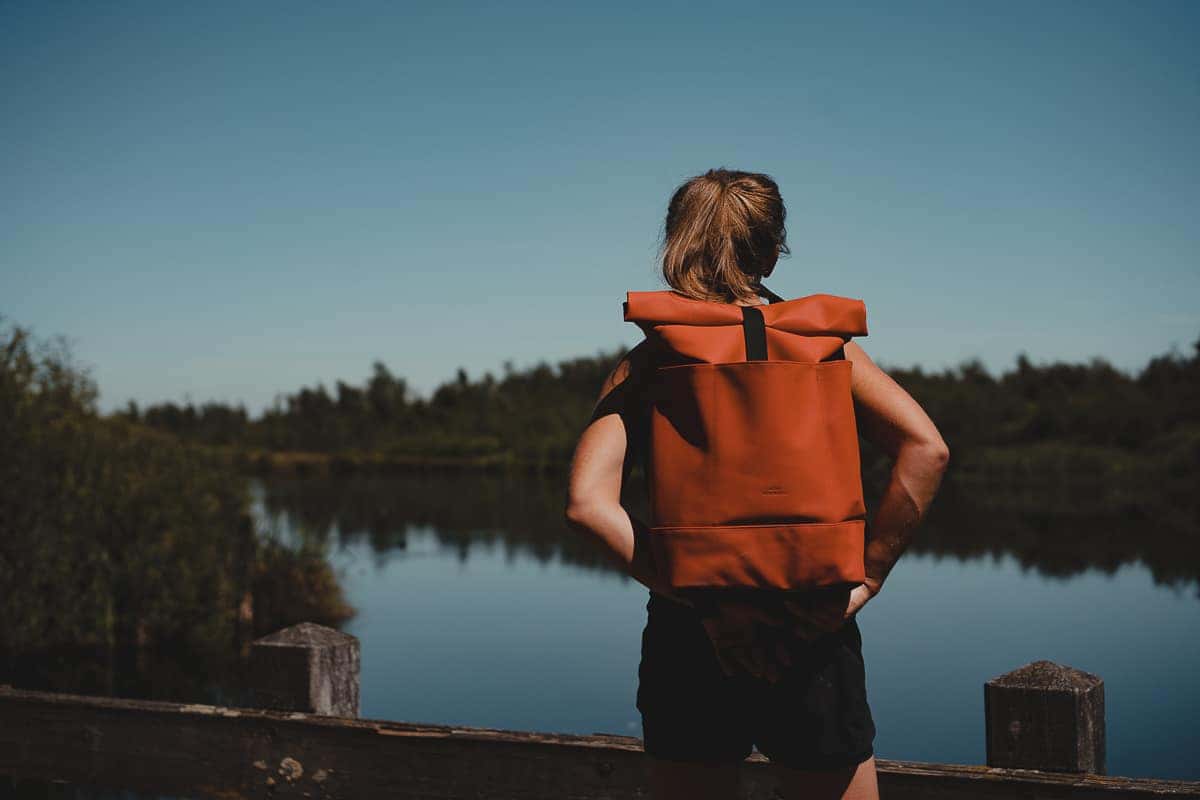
(767, 293)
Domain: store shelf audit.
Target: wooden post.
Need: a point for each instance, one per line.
(1045, 716)
(308, 668)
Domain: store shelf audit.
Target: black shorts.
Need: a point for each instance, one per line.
(815, 717)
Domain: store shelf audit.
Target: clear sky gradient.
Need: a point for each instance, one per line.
(226, 201)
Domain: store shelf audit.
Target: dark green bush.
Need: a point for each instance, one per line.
(112, 533)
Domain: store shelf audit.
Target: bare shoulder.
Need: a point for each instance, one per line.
(888, 413)
(865, 370)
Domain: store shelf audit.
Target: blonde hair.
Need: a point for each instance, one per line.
(723, 234)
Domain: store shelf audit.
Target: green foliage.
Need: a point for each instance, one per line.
(112, 532)
(533, 416)
(528, 417)
(295, 585)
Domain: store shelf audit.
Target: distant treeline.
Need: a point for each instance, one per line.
(529, 416)
(1064, 416)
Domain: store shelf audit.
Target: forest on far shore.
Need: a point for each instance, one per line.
(1084, 424)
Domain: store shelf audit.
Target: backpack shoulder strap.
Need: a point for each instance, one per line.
(767, 293)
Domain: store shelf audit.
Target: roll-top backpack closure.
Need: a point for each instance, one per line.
(752, 460)
(809, 328)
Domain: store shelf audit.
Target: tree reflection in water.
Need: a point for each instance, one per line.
(1055, 527)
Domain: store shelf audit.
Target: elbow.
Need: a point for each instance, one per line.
(938, 453)
(578, 514)
(930, 456)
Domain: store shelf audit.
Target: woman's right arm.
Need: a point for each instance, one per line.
(889, 417)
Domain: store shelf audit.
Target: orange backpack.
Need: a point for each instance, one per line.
(752, 460)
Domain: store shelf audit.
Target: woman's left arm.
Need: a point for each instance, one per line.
(594, 491)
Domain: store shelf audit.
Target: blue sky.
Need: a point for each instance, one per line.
(225, 201)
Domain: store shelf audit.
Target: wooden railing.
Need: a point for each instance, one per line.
(1045, 734)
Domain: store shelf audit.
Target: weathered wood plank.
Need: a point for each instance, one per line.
(235, 753)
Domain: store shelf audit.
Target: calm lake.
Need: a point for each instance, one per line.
(477, 606)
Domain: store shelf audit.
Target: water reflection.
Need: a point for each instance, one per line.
(1056, 530)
